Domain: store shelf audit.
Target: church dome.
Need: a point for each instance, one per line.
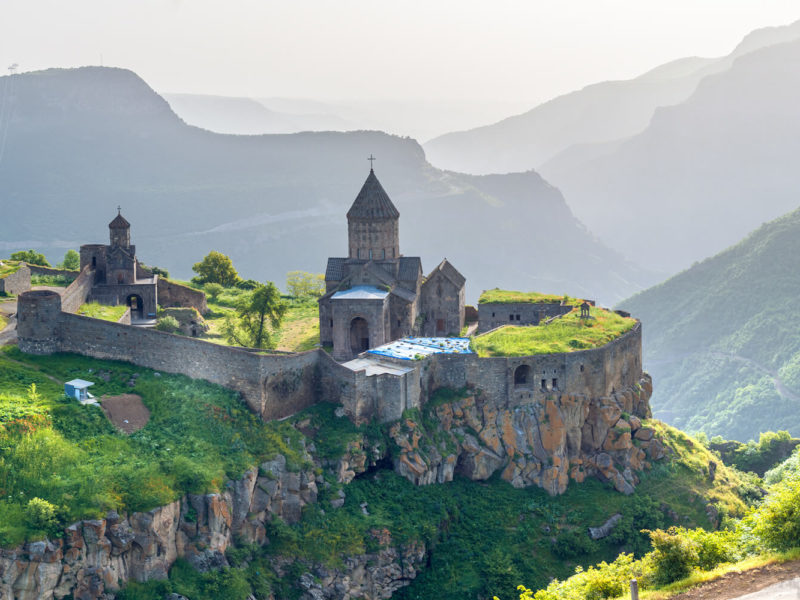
(372, 202)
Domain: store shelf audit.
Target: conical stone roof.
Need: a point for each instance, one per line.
(372, 202)
(119, 222)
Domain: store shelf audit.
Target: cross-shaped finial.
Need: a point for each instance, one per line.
(119, 209)
(370, 159)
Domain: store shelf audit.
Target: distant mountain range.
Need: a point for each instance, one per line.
(721, 339)
(80, 142)
(669, 167)
(420, 119)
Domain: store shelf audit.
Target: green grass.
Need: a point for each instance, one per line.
(510, 297)
(3, 322)
(199, 435)
(52, 280)
(8, 267)
(300, 328)
(101, 311)
(567, 334)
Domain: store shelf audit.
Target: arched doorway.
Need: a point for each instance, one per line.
(522, 375)
(136, 305)
(359, 335)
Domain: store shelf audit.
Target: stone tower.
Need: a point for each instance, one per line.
(372, 224)
(120, 231)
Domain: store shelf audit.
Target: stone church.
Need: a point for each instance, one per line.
(118, 276)
(376, 295)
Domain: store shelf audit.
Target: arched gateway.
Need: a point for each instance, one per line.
(359, 335)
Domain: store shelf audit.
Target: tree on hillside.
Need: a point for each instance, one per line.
(258, 315)
(31, 257)
(71, 262)
(301, 284)
(213, 290)
(215, 268)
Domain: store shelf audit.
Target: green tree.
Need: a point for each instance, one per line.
(213, 290)
(777, 520)
(256, 314)
(215, 268)
(71, 262)
(168, 323)
(31, 257)
(301, 284)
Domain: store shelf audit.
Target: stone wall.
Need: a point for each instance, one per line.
(497, 314)
(40, 270)
(118, 294)
(78, 291)
(174, 294)
(273, 385)
(17, 282)
(442, 303)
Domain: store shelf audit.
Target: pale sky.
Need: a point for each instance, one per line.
(489, 50)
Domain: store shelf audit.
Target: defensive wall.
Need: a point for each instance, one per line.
(273, 386)
(17, 282)
(77, 292)
(277, 385)
(40, 270)
(171, 294)
(497, 314)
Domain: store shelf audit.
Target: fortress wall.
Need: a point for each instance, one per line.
(17, 282)
(274, 386)
(496, 314)
(594, 373)
(40, 270)
(175, 294)
(78, 291)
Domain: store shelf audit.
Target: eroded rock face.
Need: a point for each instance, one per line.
(94, 556)
(543, 444)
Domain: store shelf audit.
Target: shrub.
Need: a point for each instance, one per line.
(169, 324)
(41, 515)
(213, 290)
(777, 520)
(31, 257)
(673, 555)
(571, 544)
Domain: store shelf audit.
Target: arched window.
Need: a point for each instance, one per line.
(522, 375)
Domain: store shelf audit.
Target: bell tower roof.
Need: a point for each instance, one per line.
(372, 202)
(119, 221)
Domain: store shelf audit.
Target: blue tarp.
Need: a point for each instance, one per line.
(413, 347)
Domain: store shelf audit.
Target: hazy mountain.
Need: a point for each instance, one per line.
(721, 339)
(79, 142)
(703, 173)
(224, 114)
(601, 112)
(420, 119)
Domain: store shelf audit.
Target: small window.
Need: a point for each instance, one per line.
(370, 254)
(510, 317)
(384, 253)
(581, 368)
(492, 314)
(544, 384)
(555, 383)
(331, 322)
(517, 317)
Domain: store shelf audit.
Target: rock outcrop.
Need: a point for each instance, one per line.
(543, 444)
(94, 556)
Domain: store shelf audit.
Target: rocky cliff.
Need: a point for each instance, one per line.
(538, 444)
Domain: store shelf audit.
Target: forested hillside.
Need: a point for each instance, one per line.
(721, 339)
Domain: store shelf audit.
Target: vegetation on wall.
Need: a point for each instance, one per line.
(512, 297)
(31, 257)
(101, 311)
(565, 334)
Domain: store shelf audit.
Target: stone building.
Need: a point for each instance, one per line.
(375, 294)
(118, 276)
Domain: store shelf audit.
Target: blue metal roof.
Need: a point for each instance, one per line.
(361, 292)
(413, 347)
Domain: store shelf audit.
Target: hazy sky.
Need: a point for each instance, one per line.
(524, 50)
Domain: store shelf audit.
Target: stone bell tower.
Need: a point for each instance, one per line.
(373, 224)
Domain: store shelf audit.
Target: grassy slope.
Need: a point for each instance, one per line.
(567, 334)
(8, 267)
(199, 435)
(716, 335)
(101, 311)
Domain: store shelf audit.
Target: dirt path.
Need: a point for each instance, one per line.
(750, 585)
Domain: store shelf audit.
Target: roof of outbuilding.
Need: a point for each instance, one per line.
(372, 202)
(449, 271)
(335, 269)
(410, 268)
